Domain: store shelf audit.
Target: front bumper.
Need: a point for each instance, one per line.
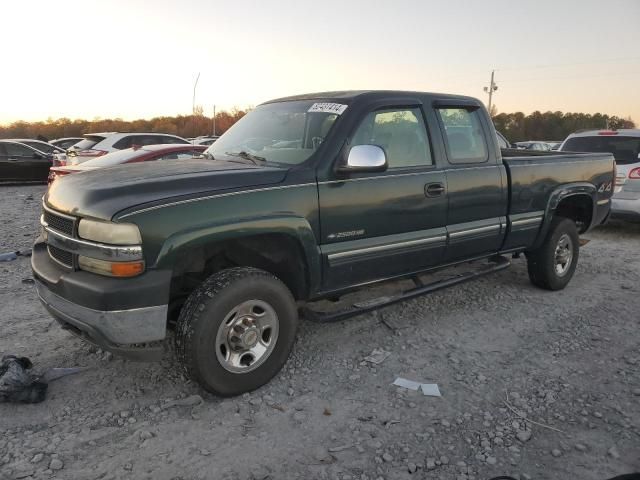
(116, 314)
(625, 208)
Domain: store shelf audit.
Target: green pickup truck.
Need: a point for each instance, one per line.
(305, 198)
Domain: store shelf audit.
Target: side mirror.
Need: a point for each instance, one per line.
(365, 158)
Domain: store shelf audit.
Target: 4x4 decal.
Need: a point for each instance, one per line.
(605, 187)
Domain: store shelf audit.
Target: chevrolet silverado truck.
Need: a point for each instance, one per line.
(305, 198)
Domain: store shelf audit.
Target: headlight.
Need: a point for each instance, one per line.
(109, 232)
(111, 269)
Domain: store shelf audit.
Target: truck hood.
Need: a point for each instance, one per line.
(103, 192)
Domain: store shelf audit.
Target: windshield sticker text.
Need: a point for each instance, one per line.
(325, 107)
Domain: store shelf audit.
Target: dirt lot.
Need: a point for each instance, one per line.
(568, 360)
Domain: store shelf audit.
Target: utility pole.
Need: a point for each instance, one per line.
(193, 104)
(490, 89)
(214, 120)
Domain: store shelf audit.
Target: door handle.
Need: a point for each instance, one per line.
(12, 159)
(434, 190)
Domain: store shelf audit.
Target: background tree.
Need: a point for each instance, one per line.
(518, 127)
(182, 125)
(515, 126)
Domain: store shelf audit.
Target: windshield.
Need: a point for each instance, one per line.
(624, 149)
(42, 146)
(285, 133)
(88, 142)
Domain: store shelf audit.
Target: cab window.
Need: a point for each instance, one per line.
(401, 133)
(464, 135)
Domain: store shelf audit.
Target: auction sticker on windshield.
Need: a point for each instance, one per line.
(325, 107)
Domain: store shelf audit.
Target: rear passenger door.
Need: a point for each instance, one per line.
(378, 225)
(476, 181)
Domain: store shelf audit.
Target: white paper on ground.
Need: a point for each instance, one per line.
(430, 389)
(404, 383)
(377, 356)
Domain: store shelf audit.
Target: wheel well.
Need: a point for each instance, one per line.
(578, 208)
(279, 254)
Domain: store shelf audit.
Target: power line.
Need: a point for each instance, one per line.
(569, 77)
(562, 65)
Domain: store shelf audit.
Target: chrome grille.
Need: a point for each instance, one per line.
(61, 256)
(59, 223)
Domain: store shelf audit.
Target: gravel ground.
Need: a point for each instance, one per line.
(500, 350)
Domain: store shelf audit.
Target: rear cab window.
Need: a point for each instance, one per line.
(625, 150)
(464, 135)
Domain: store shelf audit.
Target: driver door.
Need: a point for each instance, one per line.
(378, 225)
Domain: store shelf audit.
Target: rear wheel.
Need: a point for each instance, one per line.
(552, 265)
(236, 330)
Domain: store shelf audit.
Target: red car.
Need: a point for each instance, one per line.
(131, 155)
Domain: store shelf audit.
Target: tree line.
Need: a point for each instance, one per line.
(515, 126)
(182, 125)
(557, 126)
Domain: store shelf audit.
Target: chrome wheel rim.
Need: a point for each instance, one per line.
(247, 336)
(563, 255)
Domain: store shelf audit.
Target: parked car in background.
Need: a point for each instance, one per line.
(65, 142)
(23, 163)
(39, 145)
(97, 144)
(554, 145)
(531, 145)
(205, 140)
(624, 144)
(131, 155)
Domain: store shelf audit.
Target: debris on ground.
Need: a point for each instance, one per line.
(377, 356)
(427, 389)
(191, 401)
(408, 384)
(18, 385)
(7, 257)
(10, 256)
(430, 389)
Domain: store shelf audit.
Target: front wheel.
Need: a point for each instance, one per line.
(552, 265)
(236, 330)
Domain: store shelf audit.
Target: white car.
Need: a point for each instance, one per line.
(624, 144)
(97, 144)
(533, 145)
(65, 142)
(205, 140)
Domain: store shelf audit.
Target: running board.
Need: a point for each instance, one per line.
(497, 263)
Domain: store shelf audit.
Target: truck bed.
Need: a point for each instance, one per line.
(534, 176)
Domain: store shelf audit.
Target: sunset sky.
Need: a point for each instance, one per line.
(138, 59)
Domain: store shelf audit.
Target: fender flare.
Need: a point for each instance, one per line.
(297, 228)
(559, 194)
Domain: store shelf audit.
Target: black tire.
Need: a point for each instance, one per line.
(541, 263)
(207, 308)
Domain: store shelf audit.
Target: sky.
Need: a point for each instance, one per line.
(138, 58)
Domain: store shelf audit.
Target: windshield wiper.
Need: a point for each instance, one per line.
(247, 156)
